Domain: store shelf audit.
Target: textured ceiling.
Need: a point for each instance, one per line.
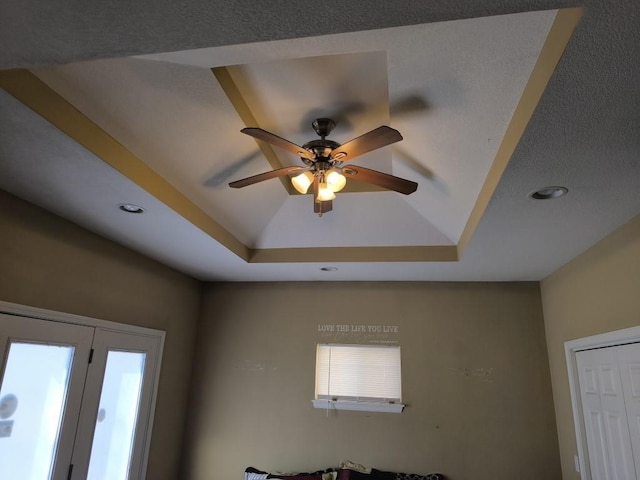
(52, 32)
(583, 134)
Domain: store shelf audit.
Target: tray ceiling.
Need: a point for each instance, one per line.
(163, 131)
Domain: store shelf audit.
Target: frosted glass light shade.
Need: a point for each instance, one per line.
(325, 193)
(336, 181)
(302, 182)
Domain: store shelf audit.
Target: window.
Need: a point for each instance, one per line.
(358, 377)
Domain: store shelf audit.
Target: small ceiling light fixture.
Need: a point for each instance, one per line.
(548, 193)
(130, 208)
(329, 269)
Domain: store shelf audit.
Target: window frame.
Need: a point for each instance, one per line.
(325, 400)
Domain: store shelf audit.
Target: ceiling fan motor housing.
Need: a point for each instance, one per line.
(321, 150)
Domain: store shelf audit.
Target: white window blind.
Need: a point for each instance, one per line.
(358, 373)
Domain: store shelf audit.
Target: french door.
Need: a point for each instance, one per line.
(75, 400)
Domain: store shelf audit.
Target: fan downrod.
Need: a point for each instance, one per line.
(323, 126)
(321, 147)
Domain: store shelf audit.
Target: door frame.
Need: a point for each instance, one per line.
(608, 339)
(54, 316)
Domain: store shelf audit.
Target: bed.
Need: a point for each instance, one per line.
(346, 471)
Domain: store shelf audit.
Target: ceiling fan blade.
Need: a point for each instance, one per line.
(277, 141)
(376, 138)
(261, 177)
(380, 179)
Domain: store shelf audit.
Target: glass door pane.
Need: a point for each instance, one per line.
(117, 408)
(117, 416)
(32, 399)
(43, 366)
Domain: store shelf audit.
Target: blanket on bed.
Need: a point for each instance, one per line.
(344, 472)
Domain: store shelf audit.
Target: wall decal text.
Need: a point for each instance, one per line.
(359, 332)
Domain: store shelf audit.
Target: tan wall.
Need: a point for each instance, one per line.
(50, 263)
(595, 293)
(475, 378)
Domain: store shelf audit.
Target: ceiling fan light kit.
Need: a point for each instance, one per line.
(324, 159)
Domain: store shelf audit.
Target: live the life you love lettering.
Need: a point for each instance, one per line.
(359, 333)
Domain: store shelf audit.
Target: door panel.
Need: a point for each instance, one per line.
(117, 414)
(603, 398)
(617, 431)
(42, 376)
(597, 447)
(117, 409)
(36, 379)
(629, 360)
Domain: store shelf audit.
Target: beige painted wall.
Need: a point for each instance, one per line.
(595, 293)
(475, 378)
(50, 263)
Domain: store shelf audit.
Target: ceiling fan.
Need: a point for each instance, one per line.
(324, 159)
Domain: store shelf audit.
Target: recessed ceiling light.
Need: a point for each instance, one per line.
(547, 193)
(329, 269)
(130, 208)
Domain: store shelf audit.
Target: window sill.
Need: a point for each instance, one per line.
(359, 406)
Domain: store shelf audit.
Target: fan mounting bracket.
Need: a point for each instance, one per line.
(323, 126)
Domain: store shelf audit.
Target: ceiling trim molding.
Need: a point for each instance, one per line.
(231, 90)
(554, 46)
(443, 253)
(39, 97)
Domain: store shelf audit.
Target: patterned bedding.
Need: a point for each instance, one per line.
(346, 471)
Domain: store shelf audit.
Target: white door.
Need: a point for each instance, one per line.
(629, 361)
(117, 408)
(76, 401)
(604, 383)
(42, 374)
